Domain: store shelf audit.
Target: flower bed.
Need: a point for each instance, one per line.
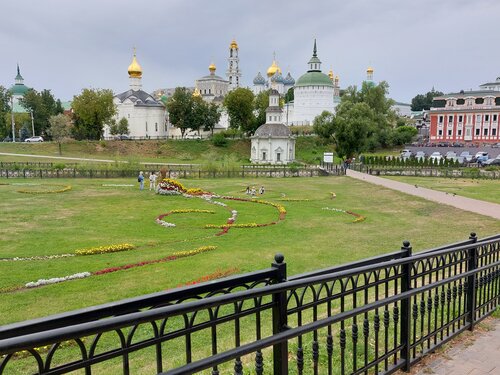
(41, 257)
(245, 225)
(168, 186)
(105, 249)
(358, 218)
(55, 280)
(62, 189)
(219, 274)
(177, 255)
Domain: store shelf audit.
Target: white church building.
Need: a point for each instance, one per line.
(145, 115)
(273, 142)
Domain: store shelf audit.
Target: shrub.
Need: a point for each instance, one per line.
(218, 140)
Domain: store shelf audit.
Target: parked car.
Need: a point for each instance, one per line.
(7, 139)
(34, 139)
(450, 154)
(436, 157)
(491, 162)
(481, 157)
(405, 155)
(466, 155)
(420, 155)
(496, 145)
(122, 137)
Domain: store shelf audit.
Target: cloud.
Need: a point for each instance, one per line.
(67, 45)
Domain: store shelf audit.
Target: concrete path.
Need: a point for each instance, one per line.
(79, 159)
(463, 203)
(477, 354)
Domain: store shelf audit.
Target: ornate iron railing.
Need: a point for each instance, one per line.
(372, 316)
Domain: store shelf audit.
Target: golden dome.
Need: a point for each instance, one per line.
(233, 44)
(196, 93)
(369, 70)
(273, 69)
(212, 68)
(330, 74)
(134, 69)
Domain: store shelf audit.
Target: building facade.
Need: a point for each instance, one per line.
(466, 117)
(273, 142)
(145, 115)
(212, 87)
(314, 92)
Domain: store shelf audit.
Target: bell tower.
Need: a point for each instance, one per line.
(233, 72)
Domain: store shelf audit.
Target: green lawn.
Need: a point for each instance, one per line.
(94, 215)
(309, 150)
(487, 190)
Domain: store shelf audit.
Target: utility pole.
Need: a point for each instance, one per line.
(32, 125)
(12, 119)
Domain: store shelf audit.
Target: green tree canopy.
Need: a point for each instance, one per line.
(4, 110)
(212, 117)
(352, 126)
(240, 105)
(324, 125)
(261, 102)
(43, 105)
(92, 109)
(424, 101)
(180, 107)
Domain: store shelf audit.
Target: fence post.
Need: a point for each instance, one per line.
(280, 319)
(471, 283)
(406, 308)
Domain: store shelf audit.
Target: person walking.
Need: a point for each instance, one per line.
(152, 183)
(151, 174)
(261, 190)
(140, 179)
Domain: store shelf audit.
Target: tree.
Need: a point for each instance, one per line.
(352, 125)
(424, 101)
(402, 135)
(123, 126)
(240, 105)
(289, 95)
(179, 107)
(43, 105)
(324, 125)
(261, 102)
(60, 129)
(4, 111)
(212, 117)
(92, 109)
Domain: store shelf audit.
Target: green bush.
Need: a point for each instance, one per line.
(219, 140)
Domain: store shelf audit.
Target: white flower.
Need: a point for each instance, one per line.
(54, 280)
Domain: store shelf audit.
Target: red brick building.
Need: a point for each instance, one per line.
(466, 117)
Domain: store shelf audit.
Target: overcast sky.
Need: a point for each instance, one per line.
(67, 45)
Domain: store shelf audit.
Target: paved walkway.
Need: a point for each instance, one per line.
(463, 203)
(479, 357)
(482, 357)
(78, 159)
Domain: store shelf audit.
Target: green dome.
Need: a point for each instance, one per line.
(19, 89)
(314, 79)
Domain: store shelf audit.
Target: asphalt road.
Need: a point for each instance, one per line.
(493, 152)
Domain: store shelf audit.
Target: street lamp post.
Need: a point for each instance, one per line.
(32, 125)
(12, 119)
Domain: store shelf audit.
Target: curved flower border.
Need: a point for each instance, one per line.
(62, 190)
(105, 249)
(358, 218)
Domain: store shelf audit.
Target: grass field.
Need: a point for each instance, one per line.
(309, 150)
(95, 215)
(487, 190)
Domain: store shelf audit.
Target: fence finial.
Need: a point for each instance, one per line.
(279, 258)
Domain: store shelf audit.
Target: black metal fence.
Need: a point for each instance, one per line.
(427, 171)
(181, 172)
(372, 316)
